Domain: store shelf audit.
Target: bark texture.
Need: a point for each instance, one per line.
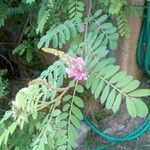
(127, 47)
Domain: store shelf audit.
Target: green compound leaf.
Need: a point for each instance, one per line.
(131, 107)
(105, 94)
(75, 121)
(140, 93)
(117, 103)
(111, 99)
(90, 81)
(94, 85)
(67, 98)
(62, 147)
(72, 135)
(78, 101)
(98, 13)
(79, 88)
(99, 89)
(76, 111)
(132, 86)
(55, 40)
(136, 107)
(118, 77)
(56, 112)
(141, 108)
(66, 107)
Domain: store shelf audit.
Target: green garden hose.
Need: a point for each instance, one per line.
(133, 135)
(143, 47)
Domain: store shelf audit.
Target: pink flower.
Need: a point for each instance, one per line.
(77, 69)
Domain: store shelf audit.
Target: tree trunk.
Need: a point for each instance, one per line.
(126, 55)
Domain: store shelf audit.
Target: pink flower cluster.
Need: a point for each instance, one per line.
(77, 69)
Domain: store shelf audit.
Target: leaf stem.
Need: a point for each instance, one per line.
(89, 4)
(74, 92)
(124, 94)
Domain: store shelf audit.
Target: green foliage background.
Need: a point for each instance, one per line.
(45, 115)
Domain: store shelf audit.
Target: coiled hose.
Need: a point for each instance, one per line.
(133, 135)
(143, 47)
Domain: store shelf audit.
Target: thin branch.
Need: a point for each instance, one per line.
(89, 8)
(46, 104)
(8, 62)
(25, 25)
(70, 111)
